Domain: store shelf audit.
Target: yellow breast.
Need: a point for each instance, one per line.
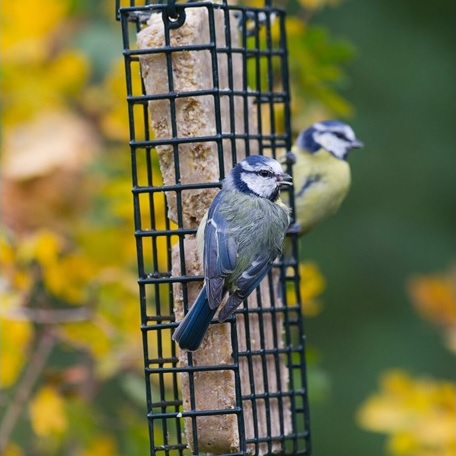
(321, 183)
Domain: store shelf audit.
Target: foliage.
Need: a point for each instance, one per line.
(70, 317)
(434, 297)
(312, 285)
(418, 415)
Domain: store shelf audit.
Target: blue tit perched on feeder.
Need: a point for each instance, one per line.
(242, 234)
(321, 173)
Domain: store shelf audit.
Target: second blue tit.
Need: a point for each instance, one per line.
(243, 234)
(321, 173)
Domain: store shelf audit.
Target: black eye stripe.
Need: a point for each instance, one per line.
(339, 135)
(261, 172)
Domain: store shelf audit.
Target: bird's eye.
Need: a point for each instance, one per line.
(265, 173)
(339, 135)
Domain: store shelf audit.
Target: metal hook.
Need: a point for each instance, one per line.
(174, 16)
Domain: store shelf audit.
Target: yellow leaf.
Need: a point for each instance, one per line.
(437, 430)
(434, 296)
(70, 71)
(47, 413)
(111, 98)
(103, 445)
(13, 450)
(86, 335)
(26, 29)
(44, 247)
(15, 337)
(402, 443)
(312, 284)
(396, 383)
(312, 281)
(317, 4)
(47, 247)
(69, 278)
(15, 279)
(381, 414)
(417, 414)
(7, 252)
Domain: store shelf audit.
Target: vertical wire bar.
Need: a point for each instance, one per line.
(264, 366)
(276, 354)
(252, 398)
(270, 71)
(237, 386)
(170, 75)
(302, 357)
(263, 356)
(257, 61)
(137, 220)
(290, 367)
(229, 56)
(235, 344)
(157, 333)
(216, 86)
(191, 383)
(155, 259)
(269, 48)
(172, 100)
(169, 65)
(300, 327)
(245, 83)
(287, 99)
(174, 132)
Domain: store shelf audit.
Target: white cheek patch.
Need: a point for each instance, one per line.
(332, 143)
(262, 187)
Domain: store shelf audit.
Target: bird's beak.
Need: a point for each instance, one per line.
(356, 144)
(284, 179)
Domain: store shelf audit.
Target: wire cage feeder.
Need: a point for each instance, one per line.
(207, 85)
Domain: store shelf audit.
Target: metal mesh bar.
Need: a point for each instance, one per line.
(263, 394)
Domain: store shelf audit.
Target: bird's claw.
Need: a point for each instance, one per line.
(289, 159)
(295, 228)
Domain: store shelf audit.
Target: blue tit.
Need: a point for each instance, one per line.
(321, 173)
(242, 233)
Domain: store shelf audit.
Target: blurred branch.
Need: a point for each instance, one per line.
(34, 368)
(49, 316)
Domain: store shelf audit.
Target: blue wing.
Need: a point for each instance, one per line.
(246, 283)
(191, 330)
(220, 254)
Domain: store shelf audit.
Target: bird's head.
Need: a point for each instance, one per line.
(258, 175)
(334, 136)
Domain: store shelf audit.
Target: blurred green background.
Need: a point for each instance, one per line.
(387, 68)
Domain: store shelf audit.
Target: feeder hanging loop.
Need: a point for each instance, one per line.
(174, 16)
